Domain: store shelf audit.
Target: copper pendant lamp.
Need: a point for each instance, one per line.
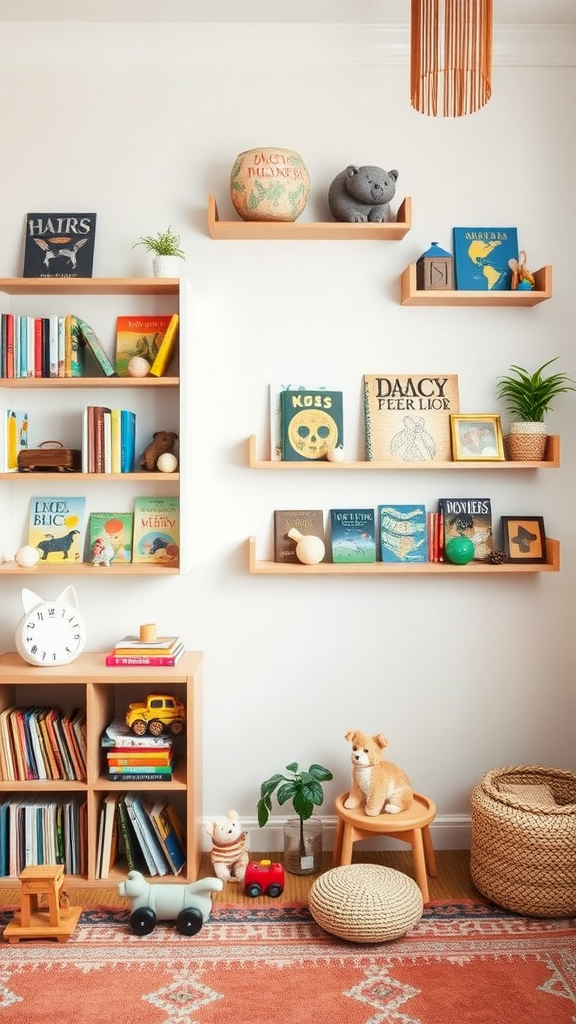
(450, 56)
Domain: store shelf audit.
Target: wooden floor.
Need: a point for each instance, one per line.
(452, 881)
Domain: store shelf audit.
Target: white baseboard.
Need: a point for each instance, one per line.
(449, 832)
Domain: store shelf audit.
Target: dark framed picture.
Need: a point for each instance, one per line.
(477, 437)
(524, 538)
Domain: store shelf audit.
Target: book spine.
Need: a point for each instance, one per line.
(93, 342)
(142, 777)
(9, 342)
(38, 360)
(115, 441)
(113, 661)
(160, 364)
(68, 346)
(137, 770)
(153, 760)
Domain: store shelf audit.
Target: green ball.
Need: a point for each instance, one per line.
(459, 550)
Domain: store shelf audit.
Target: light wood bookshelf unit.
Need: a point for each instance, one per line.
(104, 693)
(159, 403)
(391, 231)
(410, 295)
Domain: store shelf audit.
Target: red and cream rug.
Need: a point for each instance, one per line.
(464, 962)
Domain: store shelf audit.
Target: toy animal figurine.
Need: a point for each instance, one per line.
(162, 441)
(230, 847)
(101, 552)
(187, 904)
(362, 194)
(383, 786)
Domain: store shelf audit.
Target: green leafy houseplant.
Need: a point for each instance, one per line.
(529, 396)
(304, 789)
(165, 243)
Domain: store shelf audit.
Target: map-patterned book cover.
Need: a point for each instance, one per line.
(59, 244)
(407, 416)
(481, 258)
(403, 533)
(468, 517)
(353, 534)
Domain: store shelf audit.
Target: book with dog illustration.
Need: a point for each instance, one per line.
(403, 533)
(407, 417)
(352, 534)
(138, 336)
(57, 527)
(156, 535)
(468, 517)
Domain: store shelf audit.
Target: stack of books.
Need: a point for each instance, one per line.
(131, 758)
(163, 652)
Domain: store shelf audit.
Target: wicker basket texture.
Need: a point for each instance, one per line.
(365, 902)
(523, 851)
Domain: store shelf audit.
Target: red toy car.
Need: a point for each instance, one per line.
(263, 877)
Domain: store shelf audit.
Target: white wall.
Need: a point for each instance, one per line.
(141, 123)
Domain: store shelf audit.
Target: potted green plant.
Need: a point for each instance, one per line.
(528, 397)
(167, 256)
(303, 834)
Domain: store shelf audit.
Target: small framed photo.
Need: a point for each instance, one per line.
(477, 437)
(524, 538)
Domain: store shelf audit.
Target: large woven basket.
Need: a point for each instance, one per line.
(523, 843)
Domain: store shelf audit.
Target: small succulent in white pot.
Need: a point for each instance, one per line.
(529, 397)
(167, 252)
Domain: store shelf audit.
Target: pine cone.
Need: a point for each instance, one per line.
(495, 558)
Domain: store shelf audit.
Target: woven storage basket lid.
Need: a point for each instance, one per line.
(365, 902)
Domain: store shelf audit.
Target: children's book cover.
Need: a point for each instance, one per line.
(481, 258)
(312, 424)
(138, 336)
(13, 438)
(407, 417)
(57, 527)
(306, 521)
(468, 517)
(353, 534)
(111, 537)
(403, 533)
(156, 535)
(275, 413)
(59, 244)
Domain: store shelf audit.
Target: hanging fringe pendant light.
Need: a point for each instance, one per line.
(450, 56)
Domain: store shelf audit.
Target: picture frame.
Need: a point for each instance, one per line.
(477, 437)
(524, 539)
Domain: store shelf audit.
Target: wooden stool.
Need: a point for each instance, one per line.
(57, 921)
(411, 826)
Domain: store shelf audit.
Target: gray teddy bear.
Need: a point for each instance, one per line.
(362, 194)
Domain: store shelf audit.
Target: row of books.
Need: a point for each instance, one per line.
(57, 345)
(390, 533)
(148, 834)
(150, 533)
(42, 743)
(108, 440)
(132, 758)
(43, 830)
(162, 652)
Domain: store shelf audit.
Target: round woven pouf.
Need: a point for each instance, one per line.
(365, 902)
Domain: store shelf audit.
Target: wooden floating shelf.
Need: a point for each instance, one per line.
(90, 285)
(86, 568)
(551, 461)
(410, 295)
(32, 383)
(391, 231)
(552, 564)
(161, 478)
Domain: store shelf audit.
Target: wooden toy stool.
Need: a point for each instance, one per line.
(58, 920)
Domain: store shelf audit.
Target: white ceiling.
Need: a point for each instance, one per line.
(393, 12)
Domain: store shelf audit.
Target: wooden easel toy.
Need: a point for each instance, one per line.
(55, 921)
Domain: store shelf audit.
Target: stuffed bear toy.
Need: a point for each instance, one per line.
(384, 787)
(162, 441)
(230, 847)
(361, 194)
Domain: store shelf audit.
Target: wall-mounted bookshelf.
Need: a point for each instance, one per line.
(391, 231)
(410, 295)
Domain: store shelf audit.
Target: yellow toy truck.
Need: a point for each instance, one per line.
(158, 713)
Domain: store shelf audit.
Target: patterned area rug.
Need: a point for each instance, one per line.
(463, 962)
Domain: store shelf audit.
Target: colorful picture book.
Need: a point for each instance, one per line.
(57, 527)
(468, 517)
(13, 438)
(407, 417)
(403, 533)
(59, 244)
(170, 831)
(113, 531)
(167, 348)
(90, 339)
(481, 258)
(312, 424)
(306, 521)
(118, 735)
(353, 534)
(275, 413)
(156, 535)
(138, 336)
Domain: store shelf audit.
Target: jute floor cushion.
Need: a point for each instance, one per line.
(365, 902)
(523, 842)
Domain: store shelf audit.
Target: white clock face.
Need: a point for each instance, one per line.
(51, 632)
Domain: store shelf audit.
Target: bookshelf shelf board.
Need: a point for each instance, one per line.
(266, 568)
(157, 478)
(33, 383)
(410, 295)
(86, 568)
(550, 461)
(391, 231)
(90, 285)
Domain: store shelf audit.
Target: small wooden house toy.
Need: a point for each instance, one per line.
(435, 270)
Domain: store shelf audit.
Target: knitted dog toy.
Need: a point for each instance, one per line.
(230, 847)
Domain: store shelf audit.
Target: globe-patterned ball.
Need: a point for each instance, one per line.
(459, 550)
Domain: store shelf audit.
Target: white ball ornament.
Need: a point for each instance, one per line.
(27, 556)
(309, 549)
(167, 462)
(138, 367)
(335, 454)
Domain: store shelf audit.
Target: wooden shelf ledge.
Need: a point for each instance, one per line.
(259, 568)
(90, 285)
(410, 295)
(392, 231)
(87, 569)
(33, 383)
(551, 461)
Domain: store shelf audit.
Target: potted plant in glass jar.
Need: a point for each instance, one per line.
(303, 834)
(528, 397)
(167, 254)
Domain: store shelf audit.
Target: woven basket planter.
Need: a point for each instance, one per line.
(523, 843)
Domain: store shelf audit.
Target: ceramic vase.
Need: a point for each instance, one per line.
(269, 184)
(526, 441)
(303, 846)
(167, 266)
